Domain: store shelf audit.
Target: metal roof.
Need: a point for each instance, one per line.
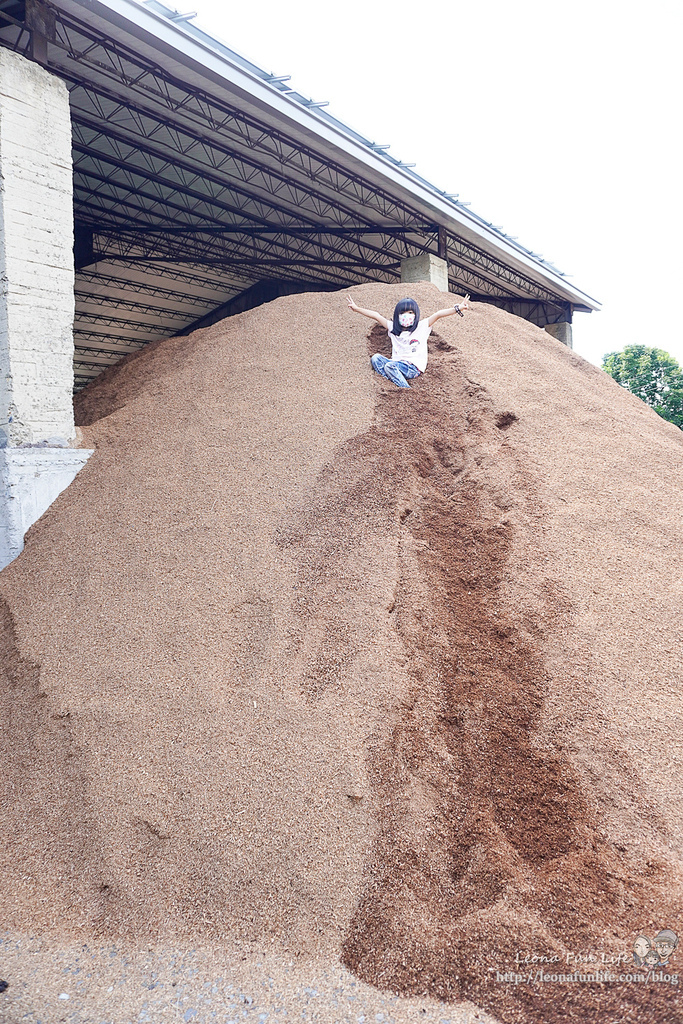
(202, 184)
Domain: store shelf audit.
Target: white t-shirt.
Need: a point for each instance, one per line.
(411, 346)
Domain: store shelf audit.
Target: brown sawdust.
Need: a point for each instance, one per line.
(303, 659)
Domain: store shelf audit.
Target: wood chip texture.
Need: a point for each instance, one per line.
(389, 677)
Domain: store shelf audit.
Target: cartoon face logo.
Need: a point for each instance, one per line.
(641, 947)
(665, 944)
(655, 953)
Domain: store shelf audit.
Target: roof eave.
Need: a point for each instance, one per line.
(195, 52)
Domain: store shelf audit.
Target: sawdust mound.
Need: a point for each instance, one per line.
(305, 660)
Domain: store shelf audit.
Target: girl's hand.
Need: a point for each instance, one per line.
(381, 320)
(457, 308)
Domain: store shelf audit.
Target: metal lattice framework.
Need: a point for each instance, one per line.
(184, 199)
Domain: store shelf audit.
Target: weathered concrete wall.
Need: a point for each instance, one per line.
(30, 480)
(425, 267)
(36, 298)
(36, 254)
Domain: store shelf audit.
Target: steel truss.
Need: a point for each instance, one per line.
(195, 201)
(166, 109)
(539, 313)
(95, 344)
(199, 180)
(188, 288)
(17, 34)
(87, 300)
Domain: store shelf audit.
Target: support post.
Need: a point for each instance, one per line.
(40, 19)
(563, 333)
(36, 297)
(443, 244)
(36, 255)
(425, 267)
(563, 330)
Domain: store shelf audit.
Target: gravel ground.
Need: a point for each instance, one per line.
(88, 984)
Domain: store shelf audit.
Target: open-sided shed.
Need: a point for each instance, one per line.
(203, 184)
(153, 181)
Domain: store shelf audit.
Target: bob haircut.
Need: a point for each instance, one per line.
(405, 306)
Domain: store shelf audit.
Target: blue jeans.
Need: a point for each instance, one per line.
(396, 370)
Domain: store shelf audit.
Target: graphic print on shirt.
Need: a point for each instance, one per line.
(411, 346)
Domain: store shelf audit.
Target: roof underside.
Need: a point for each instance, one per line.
(194, 196)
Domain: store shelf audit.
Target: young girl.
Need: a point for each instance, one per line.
(408, 339)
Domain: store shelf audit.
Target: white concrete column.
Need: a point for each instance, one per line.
(30, 480)
(425, 267)
(36, 255)
(36, 298)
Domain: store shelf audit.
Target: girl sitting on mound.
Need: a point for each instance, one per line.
(408, 339)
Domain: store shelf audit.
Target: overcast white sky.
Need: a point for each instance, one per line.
(560, 122)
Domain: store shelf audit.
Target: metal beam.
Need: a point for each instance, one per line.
(175, 184)
(262, 291)
(253, 133)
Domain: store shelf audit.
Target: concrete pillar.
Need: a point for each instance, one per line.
(36, 298)
(563, 333)
(425, 267)
(30, 480)
(36, 255)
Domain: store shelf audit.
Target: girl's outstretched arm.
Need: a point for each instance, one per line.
(381, 320)
(458, 308)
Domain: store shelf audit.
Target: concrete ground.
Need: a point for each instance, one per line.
(51, 983)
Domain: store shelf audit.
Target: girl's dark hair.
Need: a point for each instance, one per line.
(405, 306)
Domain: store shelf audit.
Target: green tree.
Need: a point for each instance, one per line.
(651, 374)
